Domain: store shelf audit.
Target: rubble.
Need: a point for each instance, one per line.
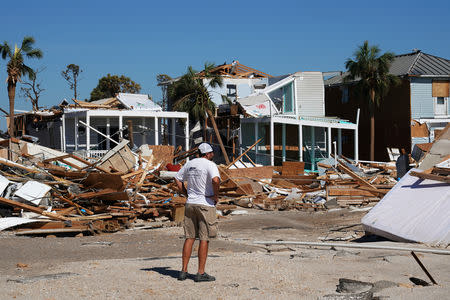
(51, 192)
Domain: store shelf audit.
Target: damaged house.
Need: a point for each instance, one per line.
(92, 128)
(288, 118)
(412, 113)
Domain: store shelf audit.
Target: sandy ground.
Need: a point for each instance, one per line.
(144, 264)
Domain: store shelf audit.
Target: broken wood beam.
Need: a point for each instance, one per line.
(73, 204)
(32, 209)
(211, 116)
(243, 153)
(434, 177)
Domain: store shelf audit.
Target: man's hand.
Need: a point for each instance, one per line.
(181, 187)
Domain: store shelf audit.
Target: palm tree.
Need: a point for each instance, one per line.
(191, 95)
(372, 72)
(16, 69)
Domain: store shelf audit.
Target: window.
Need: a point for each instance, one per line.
(288, 100)
(344, 98)
(231, 92)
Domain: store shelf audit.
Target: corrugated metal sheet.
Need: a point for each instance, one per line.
(310, 94)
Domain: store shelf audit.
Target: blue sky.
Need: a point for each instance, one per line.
(141, 39)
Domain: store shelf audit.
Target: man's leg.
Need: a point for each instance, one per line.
(202, 255)
(187, 250)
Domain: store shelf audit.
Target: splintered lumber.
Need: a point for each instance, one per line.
(135, 173)
(32, 209)
(243, 153)
(30, 170)
(161, 153)
(241, 188)
(297, 179)
(185, 154)
(74, 204)
(435, 177)
(88, 195)
(355, 176)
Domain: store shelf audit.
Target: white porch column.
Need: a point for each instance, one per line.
(256, 138)
(173, 137)
(356, 136)
(156, 131)
(108, 133)
(63, 135)
(313, 148)
(88, 134)
(356, 145)
(144, 136)
(329, 142)
(186, 135)
(283, 141)
(120, 127)
(339, 141)
(300, 142)
(76, 132)
(272, 139)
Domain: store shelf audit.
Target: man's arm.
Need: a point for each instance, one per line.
(181, 187)
(216, 186)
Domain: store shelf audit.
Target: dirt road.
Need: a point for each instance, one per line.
(143, 264)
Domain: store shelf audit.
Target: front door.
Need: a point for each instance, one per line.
(441, 106)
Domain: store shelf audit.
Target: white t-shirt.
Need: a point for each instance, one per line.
(199, 173)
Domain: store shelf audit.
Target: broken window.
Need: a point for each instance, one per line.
(231, 92)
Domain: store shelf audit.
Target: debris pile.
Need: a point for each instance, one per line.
(45, 191)
(48, 191)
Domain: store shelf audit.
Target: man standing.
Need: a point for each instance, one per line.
(200, 221)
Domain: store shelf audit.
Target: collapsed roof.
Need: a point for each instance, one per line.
(121, 101)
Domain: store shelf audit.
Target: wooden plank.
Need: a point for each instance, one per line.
(32, 209)
(255, 172)
(88, 195)
(355, 176)
(435, 177)
(336, 191)
(51, 231)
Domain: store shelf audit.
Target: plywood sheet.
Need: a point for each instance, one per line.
(255, 172)
(441, 88)
(293, 168)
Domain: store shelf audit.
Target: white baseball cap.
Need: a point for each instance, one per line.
(205, 148)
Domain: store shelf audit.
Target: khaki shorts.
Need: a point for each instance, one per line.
(200, 221)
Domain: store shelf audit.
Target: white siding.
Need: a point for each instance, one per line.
(310, 94)
(422, 105)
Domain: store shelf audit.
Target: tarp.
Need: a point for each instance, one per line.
(413, 210)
